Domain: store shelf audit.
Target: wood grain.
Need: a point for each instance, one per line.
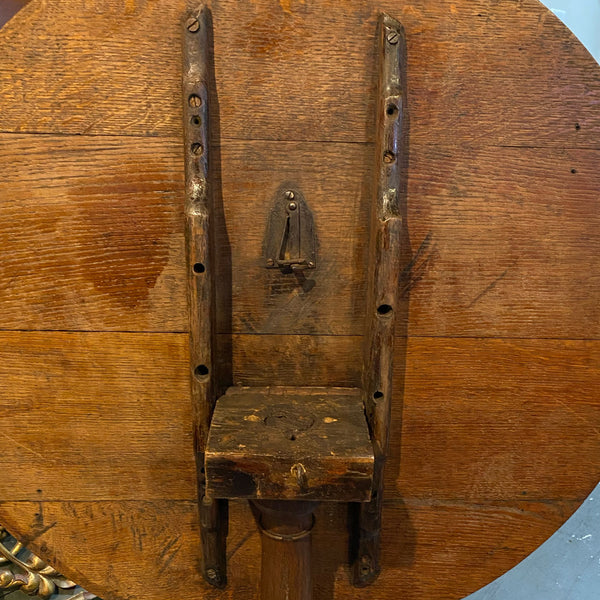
(116, 70)
(498, 441)
(290, 443)
(483, 418)
(438, 550)
(504, 240)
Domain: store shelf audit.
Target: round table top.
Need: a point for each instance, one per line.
(495, 437)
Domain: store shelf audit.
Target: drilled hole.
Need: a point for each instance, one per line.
(577, 126)
(293, 437)
(197, 149)
(389, 157)
(195, 101)
(196, 120)
(199, 268)
(384, 309)
(377, 395)
(201, 371)
(391, 110)
(573, 171)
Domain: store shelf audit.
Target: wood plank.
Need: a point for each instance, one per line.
(113, 67)
(490, 419)
(505, 240)
(439, 551)
(497, 420)
(95, 415)
(290, 443)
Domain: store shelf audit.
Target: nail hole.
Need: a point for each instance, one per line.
(199, 268)
(391, 109)
(197, 149)
(573, 171)
(384, 309)
(195, 101)
(388, 157)
(577, 126)
(196, 120)
(201, 371)
(377, 395)
(293, 437)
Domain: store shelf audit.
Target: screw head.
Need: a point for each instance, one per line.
(393, 37)
(270, 262)
(192, 25)
(311, 265)
(211, 573)
(388, 157)
(289, 195)
(292, 206)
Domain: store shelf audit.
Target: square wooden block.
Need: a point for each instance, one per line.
(301, 443)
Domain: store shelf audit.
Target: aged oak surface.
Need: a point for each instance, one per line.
(499, 438)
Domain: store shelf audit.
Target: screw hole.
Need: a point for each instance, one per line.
(577, 126)
(199, 268)
(389, 157)
(384, 309)
(293, 437)
(195, 101)
(391, 110)
(197, 149)
(377, 395)
(573, 171)
(196, 120)
(201, 371)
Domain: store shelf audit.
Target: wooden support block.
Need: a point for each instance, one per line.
(292, 443)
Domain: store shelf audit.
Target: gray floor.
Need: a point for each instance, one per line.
(566, 567)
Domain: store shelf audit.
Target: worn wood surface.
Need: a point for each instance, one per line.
(286, 570)
(500, 423)
(295, 443)
(497, 235)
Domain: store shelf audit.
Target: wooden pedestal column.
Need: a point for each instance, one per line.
(286, 540)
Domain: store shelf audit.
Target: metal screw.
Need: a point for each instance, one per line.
(311, 265)
(289, 195)
(192, 24)
(393, 37)
(195, 101)
(270, 262)
(292, 206)
(365, 565)
(197, 149)
(388, 157)
(211, 574)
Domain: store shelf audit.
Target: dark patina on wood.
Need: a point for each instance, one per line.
(384, 275)
(201, 295)
(285, 445)
(279, 443)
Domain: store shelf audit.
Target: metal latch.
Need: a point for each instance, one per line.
(290, 242)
